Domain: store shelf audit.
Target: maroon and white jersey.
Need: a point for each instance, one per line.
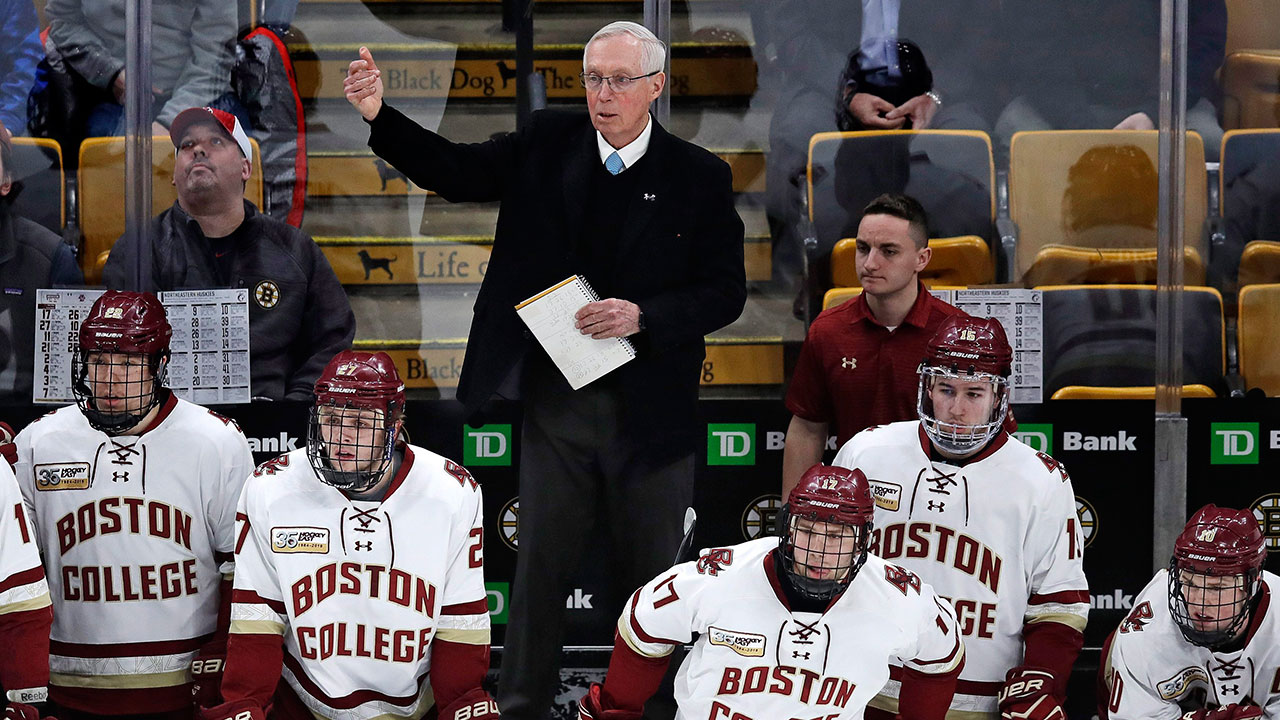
(360, 591)
(997, 535)
(136, 532)
(1152, 672)
(756, 658)
(24, 601)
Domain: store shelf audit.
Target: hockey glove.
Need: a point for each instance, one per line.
(1028, 695)
(8, 450)
(20, 711)
(238, 710)
(473, 705)
(1226, 712)
(206, 673)
(591, 707)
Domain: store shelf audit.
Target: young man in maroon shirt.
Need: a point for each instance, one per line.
(857, 367)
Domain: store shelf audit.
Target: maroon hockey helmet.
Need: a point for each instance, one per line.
(119, 365)
(1216, 543)
(362, 392)
(820, 562)
(965, 349)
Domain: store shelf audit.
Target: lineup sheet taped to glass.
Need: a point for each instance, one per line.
(210, 344)
(1021, 313)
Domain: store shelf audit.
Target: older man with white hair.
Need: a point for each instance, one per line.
(648, 219)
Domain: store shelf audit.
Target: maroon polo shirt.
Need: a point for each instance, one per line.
(854, 372)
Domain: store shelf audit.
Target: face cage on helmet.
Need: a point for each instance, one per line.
(355, 481)
(955, 438)
(146, 391)
(850, 563)
(1182, 610)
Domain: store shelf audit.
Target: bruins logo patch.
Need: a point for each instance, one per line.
(267, 294)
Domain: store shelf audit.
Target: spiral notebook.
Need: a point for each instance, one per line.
(581, 358)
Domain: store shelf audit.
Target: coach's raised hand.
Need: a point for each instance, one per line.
(363, 86)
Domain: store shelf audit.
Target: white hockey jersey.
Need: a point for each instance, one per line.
(359, 590)
(136, 533)
(1152, 672)
(755, 658)
(22, 590)
(997, 536)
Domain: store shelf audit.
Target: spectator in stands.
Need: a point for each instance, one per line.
(808, 44)
(299, 316)
(1095, 64)
(20, 40)
(31, 257)
(190, 58)
(649, 219)
(857, 367)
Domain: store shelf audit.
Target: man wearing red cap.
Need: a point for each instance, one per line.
(212, 237)
(360, 569)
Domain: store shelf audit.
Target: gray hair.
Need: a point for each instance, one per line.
(653, 52)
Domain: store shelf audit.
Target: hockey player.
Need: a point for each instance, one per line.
(1202, 641)
(799, 627)
(359, 569)
(986, 520)
(132, 493)
(25, 610)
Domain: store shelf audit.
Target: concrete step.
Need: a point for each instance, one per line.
(456, 260)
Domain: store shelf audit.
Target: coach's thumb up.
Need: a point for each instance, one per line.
(363, 85)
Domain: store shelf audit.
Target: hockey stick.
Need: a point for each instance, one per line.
(686, 544)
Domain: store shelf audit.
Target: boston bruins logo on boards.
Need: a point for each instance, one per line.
(267, 294)
(1267, 510)
(759, 517)
(1088, 520)
(509, 523)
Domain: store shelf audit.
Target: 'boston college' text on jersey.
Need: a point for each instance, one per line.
(136, 533)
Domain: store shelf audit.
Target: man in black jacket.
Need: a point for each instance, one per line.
(299, 316)
(649, 220)
(31, 257)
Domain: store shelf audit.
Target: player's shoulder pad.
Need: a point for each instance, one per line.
(1053, 468)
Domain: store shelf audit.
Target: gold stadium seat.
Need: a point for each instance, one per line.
(37, 164)
(1141, 392)
(950, 172)
(1095, 189)
(1104, 336)
(1251, 89)
(955, 261)
(102, 198)
(840, 295)
(1252, 25)
(1260, 263)
(1094, 266)
(1257, 328)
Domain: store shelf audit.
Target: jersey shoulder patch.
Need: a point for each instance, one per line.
(713, 560)
(461, 474)
(229, 422)
(272, 466)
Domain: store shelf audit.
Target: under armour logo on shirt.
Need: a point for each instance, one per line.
(849, 363)
(614, 163)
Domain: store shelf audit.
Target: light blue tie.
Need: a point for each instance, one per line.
(613, 164)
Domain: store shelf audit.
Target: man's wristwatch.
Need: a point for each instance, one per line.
(640, 320)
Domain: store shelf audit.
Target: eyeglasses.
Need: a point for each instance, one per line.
(617, 83)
